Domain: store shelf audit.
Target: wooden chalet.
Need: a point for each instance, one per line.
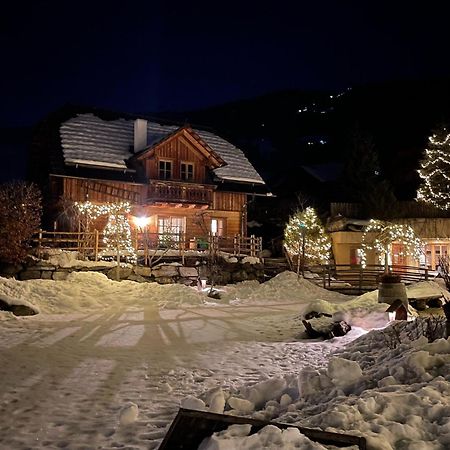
(182, 179)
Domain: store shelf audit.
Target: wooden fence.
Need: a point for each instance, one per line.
(90, 244)
(367, 278)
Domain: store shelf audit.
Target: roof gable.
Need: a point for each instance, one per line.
(192, 140)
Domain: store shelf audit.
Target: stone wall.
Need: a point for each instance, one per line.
(226, 271)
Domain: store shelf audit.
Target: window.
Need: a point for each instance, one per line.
(355, 256)
(170, 231)
(165, 170)
(187, 171)
(217, 227)
(433, 252)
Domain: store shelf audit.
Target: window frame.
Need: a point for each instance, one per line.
(220, 224)
(164, 170)
(187, 164)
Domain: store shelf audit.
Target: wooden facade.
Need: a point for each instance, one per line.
(178, 191)
(434, 232)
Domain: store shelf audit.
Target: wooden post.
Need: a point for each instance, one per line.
(183, 245)
(146, 258)
(426, 273)
(96, 244)
(118, 257)
(40, 243)
(239, 244)
(252, 245)
(360, 277)
(324, 276)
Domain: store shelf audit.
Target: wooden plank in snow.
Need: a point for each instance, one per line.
(190, 427)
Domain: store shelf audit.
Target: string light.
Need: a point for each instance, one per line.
(306, 225)
(379, 236)
(435, 172)
(117, 232)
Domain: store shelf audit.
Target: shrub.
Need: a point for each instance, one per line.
(20, 217)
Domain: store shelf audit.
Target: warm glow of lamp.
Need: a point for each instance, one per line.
(141, 222)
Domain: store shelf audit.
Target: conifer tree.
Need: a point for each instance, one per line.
(435, 171)
(362, 178)
(305, 236)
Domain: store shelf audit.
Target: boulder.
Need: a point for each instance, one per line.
(124, 273)
(188, 272)
(165, 280)
(165, 270)
(10, 270)
(326, 329)
(46, 275)
(137, 278)
(143, 271)
(30, 275)
(17, 310)
(240, 275)
(60, 275)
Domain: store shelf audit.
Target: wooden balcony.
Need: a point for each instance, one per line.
(179, 193)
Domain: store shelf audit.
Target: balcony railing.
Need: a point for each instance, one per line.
(175, 192)
(90, 244)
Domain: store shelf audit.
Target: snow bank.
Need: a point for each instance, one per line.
(285, 287)
(396, 398)
(84, 291)
(237, 437)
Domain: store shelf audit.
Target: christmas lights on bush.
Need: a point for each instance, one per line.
(117, 232)
(379, 236)
(435, 172)
(305, 225)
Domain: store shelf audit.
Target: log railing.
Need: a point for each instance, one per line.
(90, 243)
(367, 277)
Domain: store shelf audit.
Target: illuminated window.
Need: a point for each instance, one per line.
(170, 231)
(187, 171)
(165, 170)
(217, 227)
(355, 256)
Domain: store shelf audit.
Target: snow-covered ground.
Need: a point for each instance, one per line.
(107, 364)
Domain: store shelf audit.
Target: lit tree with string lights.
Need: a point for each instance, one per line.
(380, 235)
(435, 171)
(117, 232)
(305, 237)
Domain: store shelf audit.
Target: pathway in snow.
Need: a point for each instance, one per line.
(65, 378)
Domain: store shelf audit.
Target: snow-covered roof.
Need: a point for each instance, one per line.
(89, 140)
(238, 167)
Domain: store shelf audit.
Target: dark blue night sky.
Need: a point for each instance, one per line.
(156, 56)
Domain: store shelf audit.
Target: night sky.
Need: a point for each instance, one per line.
(156, 56)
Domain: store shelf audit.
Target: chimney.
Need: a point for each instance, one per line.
(140, 135)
